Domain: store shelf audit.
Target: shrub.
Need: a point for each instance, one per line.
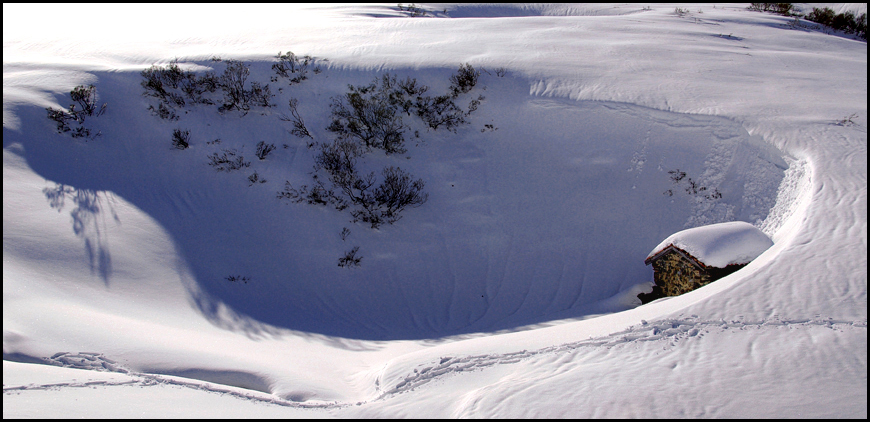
(338, 158)
(233, 84)
(369, 115)
(474, 103)
(316, 195)
(785, 9)
(86, 98)
(440, 111)
(255, 178)
(264, 149)
(161, 82)
(373, 204)
(236, 97)
(413, 10)
(235, 278)
(228, 161)
(846, 21)
(181, 138)
(398, 192)
(691, 187)
(464, 80)
(295, 119)
(61, 117)
(171, 85)
(350, 259)
(293, 67)
(163, 112)
(848, 120)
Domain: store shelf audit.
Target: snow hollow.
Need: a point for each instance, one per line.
(538, 209)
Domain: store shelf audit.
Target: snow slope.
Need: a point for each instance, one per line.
(511, 291)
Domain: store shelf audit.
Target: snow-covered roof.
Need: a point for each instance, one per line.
(718, 245)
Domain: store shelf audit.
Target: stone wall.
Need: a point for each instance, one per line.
(677, 275)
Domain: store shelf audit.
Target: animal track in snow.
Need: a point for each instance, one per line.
(671, 330)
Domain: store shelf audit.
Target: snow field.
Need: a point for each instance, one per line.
(495, 297)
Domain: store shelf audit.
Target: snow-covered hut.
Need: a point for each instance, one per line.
(695, 257)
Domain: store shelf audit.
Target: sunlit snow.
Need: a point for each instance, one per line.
(140, 282)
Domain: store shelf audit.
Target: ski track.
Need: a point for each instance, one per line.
(665, 330)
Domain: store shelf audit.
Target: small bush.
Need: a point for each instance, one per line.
(181, 138)
(413, 10)
(236, 97)
(163, 112)
(293, 67)
(350, 259)
(264, 149)
(785, 9)
(61, 117)
(255, 178)
(239, 278)
(369, 114)
(86, 98)
(848, 120)
(846, 21)
(295, 119)
(464, 80)
(315, 195)
(473, 104)
(691, 187)
(233, 84)
(339, 157)
(372, 203)
(163, 82)
(440, 111)
(397, 192)
(228, 161)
